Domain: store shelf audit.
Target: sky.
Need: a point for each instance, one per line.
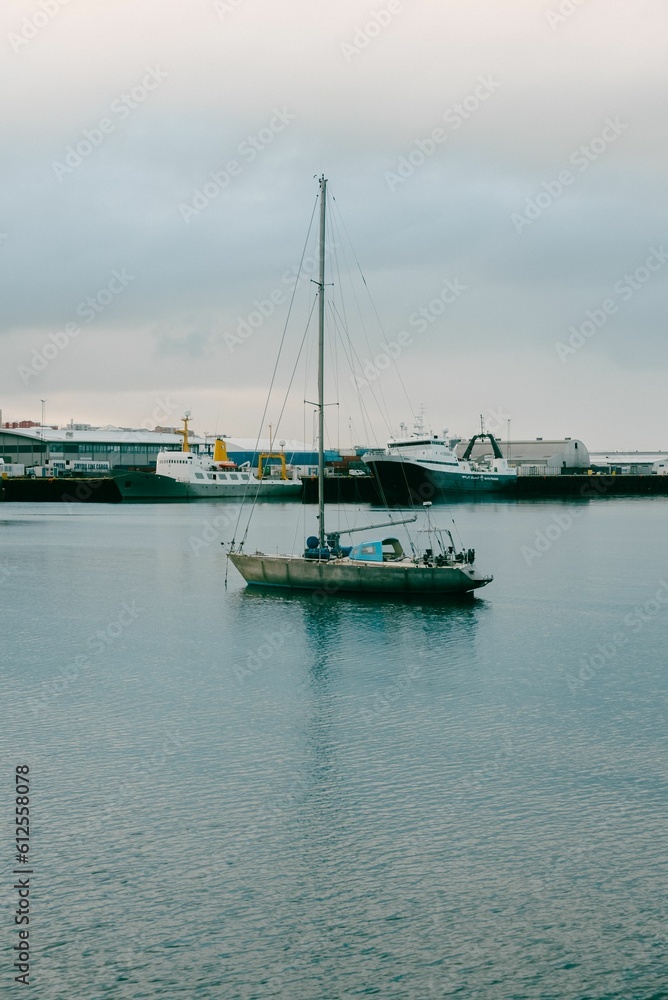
(498, 165)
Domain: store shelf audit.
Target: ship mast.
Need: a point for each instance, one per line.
(321, 369)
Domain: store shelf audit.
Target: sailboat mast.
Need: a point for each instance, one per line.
(321, 369)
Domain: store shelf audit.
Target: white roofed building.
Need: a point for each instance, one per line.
(130, 448)
(565, 453)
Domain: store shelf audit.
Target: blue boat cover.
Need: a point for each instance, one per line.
(367, 552)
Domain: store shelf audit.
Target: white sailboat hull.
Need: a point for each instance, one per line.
(405, 577)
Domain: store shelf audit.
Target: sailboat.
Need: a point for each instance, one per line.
(378, 564)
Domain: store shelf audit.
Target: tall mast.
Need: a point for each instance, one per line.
(321, 369)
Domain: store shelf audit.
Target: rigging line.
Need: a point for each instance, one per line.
(373, 306)
(332, 346)
(340, 349)
(364, 415)
(294, 370)
(362, 407)
(354, 292)
(383, 409)
(340, 323)
(273, 377)
(337, 267)
(384, 416)
(411, 495)
(278, 422)
(371, 300)
(337, 288)
(336, 320)
(294, 538)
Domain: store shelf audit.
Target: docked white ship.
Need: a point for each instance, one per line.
(183, 475)
(422, 466)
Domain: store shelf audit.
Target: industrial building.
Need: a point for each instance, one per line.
(125, 448)
(554, 456)
(630, 463)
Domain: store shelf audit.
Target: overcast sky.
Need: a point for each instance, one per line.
(515, 149)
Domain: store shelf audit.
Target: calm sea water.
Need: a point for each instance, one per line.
(246, 795)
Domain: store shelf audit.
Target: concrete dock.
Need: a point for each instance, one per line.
(352, 489)
(349, 489)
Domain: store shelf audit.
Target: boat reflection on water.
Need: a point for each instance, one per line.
(324, 632)
(357, 712)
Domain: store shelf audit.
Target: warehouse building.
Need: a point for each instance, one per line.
(634, 463)
(552, 455)
(124, 448)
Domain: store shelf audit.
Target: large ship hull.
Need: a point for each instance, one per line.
(147, 487)
(297, 573)
(403, 480)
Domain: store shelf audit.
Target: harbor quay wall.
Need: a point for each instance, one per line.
(590, 486)
(350, 489)
(101, 489)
